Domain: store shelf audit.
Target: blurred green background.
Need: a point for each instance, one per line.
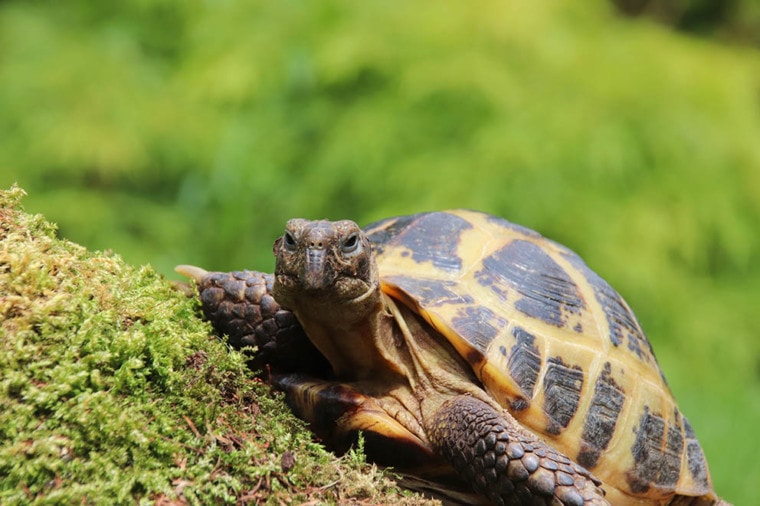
(174, 131)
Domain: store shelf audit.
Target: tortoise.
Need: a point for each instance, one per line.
(466, 349)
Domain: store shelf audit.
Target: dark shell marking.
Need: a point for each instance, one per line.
(433, 238)
(562, 392)
(480, 324)
(651, 463)
(524, 361)
(384, 231)
(695, 457)
(545, 291)
(601, 418)
(430, 292)
(621, 321)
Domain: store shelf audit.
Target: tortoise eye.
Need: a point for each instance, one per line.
(351, 244)
(289, 240)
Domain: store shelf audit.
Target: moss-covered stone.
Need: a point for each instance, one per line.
(113, 391)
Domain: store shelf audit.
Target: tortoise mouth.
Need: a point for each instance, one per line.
(343, 289)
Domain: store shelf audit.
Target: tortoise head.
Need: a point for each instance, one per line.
(323, 262)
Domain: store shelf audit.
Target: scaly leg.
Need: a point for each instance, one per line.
(506, 463)
(240, 305)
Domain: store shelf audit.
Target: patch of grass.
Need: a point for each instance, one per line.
(114, 392)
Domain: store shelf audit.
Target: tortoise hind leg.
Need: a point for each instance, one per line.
(504, 462)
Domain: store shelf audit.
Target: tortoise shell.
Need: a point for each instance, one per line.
(550, 341)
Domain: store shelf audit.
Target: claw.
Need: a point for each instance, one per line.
(191, 271)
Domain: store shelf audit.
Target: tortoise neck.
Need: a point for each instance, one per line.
(351, 335)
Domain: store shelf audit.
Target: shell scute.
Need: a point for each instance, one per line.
(657, 453)
(434, 238)
(622, 324)
(386, 230)
(479, 323)
(562, 393)
(543, 289)
(601, 420)
(430, 292)
(524, 361)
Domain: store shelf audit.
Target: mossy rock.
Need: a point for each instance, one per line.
(113, 391)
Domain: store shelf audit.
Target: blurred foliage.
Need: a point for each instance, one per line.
(734, 21)
(188, 132)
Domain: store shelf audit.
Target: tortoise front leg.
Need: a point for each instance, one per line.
(240, 305)
(506, 463)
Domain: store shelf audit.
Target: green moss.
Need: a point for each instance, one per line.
(114, 392)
